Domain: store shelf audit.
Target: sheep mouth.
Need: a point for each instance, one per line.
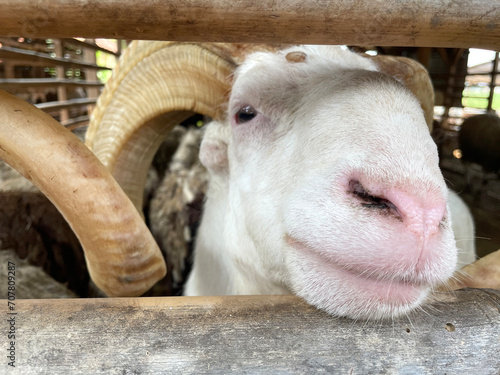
(375, 286)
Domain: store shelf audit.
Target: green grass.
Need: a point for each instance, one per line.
(105, 59)
(477, 97)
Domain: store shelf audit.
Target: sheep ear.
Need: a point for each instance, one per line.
(213, 149)
(414, 76)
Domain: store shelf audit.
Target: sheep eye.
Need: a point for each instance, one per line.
(245, 114)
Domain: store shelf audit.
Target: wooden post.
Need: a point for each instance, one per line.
(60, 74)
(90, 75)
(424, 55)
(450, 86)
(9, 70)
(251, 334)
(427, 23)
(493, 83)
(119, 44)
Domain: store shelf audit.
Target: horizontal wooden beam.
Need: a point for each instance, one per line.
(31, 57)
(251, 334)
(55, 106)
(76, 122)
(84, 44)
(449, 23)
(36, 45)
(24, 84)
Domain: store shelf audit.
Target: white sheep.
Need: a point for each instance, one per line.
(463, 229)
(324, 183)
(324, 179)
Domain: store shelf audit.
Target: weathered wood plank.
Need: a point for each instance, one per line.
(460, 334)
(431, 23)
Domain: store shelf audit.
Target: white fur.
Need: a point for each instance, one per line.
(280, 214)
(463, 229)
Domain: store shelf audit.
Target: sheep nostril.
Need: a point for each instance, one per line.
(422, 215)
(371, 201)
(379, 203)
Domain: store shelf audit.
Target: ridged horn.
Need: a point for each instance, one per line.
(414, 76)
(155, 86)
(122, 256)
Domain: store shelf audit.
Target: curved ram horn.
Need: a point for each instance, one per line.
(483, 273)
(156, 86)
(122, 256)
(414, 76)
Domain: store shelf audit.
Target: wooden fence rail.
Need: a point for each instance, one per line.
(449, 23)
(32, 58)
(22, 84)
(90, 45)
(251, 334)
(72, 103)
(37, 59)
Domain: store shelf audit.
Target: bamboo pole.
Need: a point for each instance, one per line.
(251, 334)
(430, 23)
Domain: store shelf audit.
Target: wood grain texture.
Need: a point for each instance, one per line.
(460, 334)
(431, 23)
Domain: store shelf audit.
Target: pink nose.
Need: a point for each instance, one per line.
(421, 215)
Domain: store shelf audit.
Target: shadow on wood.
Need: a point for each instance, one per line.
(459, 334)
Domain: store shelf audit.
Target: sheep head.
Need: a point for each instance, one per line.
(325, 182)
(324, 178)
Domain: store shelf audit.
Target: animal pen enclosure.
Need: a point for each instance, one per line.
(459, 333)
(59, 76)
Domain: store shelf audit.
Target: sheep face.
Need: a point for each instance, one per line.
(325, 183)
